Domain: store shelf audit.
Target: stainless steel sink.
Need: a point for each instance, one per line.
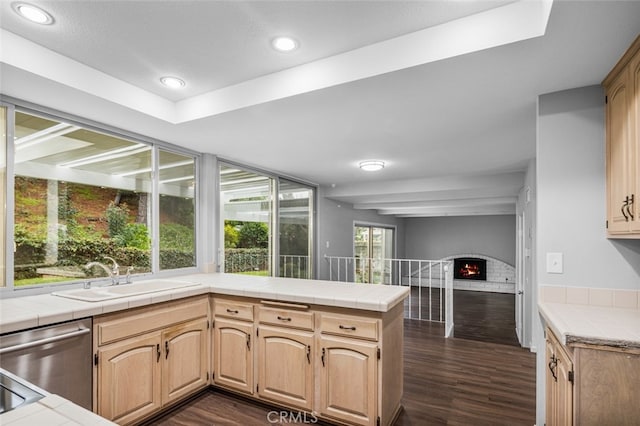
(123, 290)
(15, 392)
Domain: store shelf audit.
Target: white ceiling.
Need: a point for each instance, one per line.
(443, 91)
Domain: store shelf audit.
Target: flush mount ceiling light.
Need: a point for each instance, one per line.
(284, 44)
(371, 165)
(172, 82)
(32, 13)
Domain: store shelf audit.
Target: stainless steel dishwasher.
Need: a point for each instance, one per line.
(56, 358)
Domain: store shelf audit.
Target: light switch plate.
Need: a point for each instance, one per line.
(554, 263)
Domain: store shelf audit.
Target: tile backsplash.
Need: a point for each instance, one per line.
(614, 298)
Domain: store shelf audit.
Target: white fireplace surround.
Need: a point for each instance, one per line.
(501, 277)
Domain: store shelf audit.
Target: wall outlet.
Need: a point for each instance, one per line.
(554, 263)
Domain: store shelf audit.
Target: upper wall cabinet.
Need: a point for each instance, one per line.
(622, 88)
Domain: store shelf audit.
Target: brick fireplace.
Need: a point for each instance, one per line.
(498, 277)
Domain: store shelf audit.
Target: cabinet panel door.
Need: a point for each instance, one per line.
(285, 366)
(618, 155)
(185, 359)
(635, 143)
(348, 379)
(233, 354)
(129, 378)
(551, 382)
(564, 394)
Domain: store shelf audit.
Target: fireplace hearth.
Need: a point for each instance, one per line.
(470, 268)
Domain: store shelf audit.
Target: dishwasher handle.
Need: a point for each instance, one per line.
(44, 341)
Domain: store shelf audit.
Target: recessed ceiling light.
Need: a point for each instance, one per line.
(284, 44)
(32, 13)
(173, 82)
(371, 165)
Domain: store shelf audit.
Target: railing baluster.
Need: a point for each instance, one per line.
(390, 272)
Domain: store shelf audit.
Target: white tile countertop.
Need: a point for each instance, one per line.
(593, 325)
(52, 410)
(19, 313)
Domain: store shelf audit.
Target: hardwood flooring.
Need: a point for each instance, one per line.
(477, 315)
(446, 382)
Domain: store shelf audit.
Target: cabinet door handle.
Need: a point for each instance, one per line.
(231, 311)
(629, 204)
(309, 354)
(284, 318)
(158, 352)
(166, 349)
(248, 342)
(552, 366)
(344, 327)
(626, 203)
(322, 357)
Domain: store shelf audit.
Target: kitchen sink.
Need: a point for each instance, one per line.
(15, 392)
(123, 290)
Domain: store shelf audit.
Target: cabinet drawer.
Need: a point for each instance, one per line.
(286, 318)
(233, 309)
(121, 325)
(350, 326)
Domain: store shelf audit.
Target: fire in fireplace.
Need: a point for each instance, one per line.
(470, 268)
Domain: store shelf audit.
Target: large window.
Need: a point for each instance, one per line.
(177, 210)
(263, 237)
(85, 196)
(3, 193)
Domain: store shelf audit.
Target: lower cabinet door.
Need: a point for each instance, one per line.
(233, 354)
(285, 366)
(185, 359)
(129, 378)
(348, 379)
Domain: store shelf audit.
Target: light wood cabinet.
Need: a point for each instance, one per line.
(559, 382)
(148, 358)
(285, 366)
(233, 344)
(591, 385)
(622, 121)
(186, 359)
(341, 365)
(349, 380)
(129, 379)
(233, 354)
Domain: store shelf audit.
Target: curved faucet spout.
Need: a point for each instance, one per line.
(112, 274)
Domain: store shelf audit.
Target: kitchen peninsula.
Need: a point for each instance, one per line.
(342, 342)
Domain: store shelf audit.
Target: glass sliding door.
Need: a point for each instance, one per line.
(295, 217)
(247, 213)
(373, 248)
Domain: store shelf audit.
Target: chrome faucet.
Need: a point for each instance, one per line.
(115, 268)
(112, 273)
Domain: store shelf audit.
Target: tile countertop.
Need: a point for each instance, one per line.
(19, 313)
(52, 410)
(593, 325)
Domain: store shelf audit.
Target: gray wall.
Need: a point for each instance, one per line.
(433, 238)
(571, 204)
(571, 195)
(335, 226)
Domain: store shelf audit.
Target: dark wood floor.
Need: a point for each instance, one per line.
(447, 382)
(483, 316)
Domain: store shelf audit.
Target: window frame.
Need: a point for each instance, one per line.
(275, 216)
(16, 105)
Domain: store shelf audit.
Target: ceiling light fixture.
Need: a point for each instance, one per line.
(371, 165)
(284, 44)
(172, 82)
(33, 13)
